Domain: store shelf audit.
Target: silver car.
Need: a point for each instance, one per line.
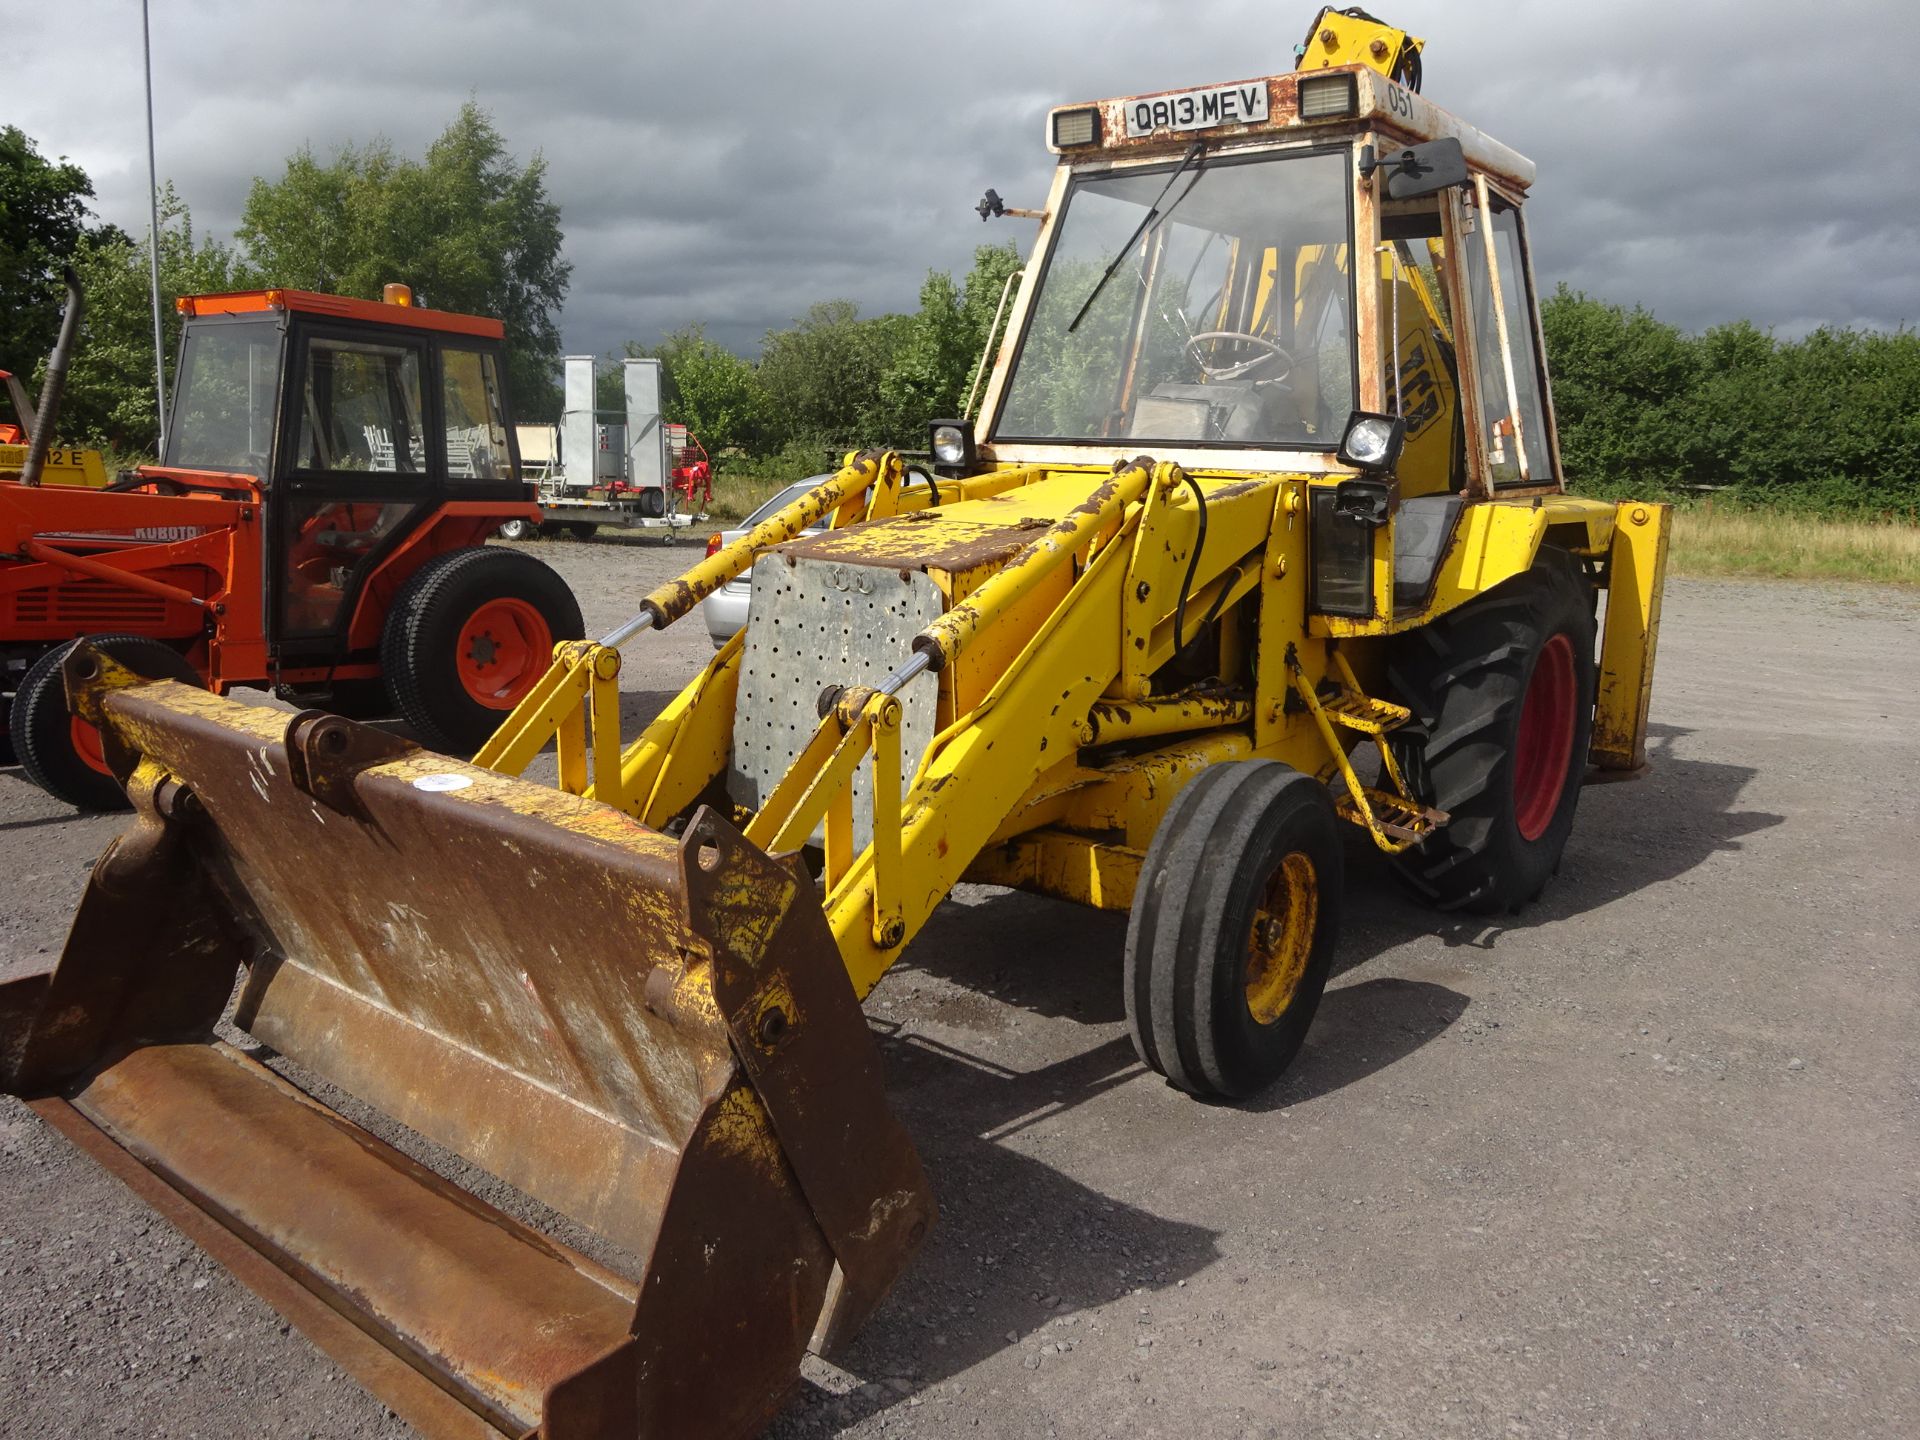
(725, 611)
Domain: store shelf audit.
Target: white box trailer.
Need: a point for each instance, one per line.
(594, 469)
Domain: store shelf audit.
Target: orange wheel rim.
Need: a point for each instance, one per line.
(85, 740)
(1281, 939)
(503, 649)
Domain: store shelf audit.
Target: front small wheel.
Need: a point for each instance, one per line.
(1233, 928)
(59, 751)
(517, 529)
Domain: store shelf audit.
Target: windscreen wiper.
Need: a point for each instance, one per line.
(1196, 152)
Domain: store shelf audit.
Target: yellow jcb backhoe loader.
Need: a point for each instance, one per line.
(1265, 475)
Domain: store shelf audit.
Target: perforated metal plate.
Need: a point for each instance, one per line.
(816, 623)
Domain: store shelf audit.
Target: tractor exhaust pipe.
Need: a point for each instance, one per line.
(41, 440)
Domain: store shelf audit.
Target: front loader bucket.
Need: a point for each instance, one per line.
(654, 1037)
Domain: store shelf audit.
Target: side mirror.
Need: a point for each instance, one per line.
(1421, 169)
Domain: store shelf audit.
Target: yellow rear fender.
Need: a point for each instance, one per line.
(1496, 540)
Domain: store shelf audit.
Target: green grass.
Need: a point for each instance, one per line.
(735, 495)
(1712, 540)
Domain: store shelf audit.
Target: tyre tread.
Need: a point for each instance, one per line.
(1465, 677)
(406, 647)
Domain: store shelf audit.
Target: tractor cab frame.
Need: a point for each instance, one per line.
(363, 426)
(1234, 278)
(317, 523)
(1335, 161)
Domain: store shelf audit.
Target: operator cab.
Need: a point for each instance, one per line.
(357, 418)
(1194, 292)
(1320, 273)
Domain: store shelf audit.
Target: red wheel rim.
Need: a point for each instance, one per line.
(503, 649)
(85, 740)
(1544, 747)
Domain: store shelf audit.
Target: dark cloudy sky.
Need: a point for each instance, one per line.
(733, 162)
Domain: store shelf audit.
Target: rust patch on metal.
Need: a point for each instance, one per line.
(949, 543)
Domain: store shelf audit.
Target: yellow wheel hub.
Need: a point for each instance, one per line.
(1281, 939)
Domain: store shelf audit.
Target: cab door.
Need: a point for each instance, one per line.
(1512, 446)
(365, 463)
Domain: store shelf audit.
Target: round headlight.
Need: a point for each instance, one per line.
(949, 445)
(1368, 440)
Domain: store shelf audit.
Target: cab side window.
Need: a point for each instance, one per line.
(360, 409)
(475, 418)
(1512, 377)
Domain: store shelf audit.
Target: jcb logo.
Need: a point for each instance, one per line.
(1419, 391)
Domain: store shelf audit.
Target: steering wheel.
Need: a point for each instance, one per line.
(1235, 371)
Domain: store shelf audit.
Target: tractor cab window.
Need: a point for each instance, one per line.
(475, 418)
(1209, 303)
(1511, 373)
(332, 542)
(360, 408)
(225, 396)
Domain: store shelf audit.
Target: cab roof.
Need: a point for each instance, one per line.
(1346, 98)
(340, 307)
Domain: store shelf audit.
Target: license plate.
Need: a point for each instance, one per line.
(1197, 109)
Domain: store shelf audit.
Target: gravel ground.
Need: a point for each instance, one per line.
(1639, 1162)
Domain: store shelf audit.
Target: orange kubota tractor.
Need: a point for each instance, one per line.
(331, 470)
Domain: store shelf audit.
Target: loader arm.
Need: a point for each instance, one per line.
(1051, 625)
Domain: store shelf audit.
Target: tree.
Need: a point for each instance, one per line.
(822, 377)
(109, 396)
(43, 210)
(926, 377)
(1622, 382)
(984, 286)
(933, 371)
(467, 226)
(712, 391)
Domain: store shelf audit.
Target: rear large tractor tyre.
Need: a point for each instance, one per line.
(1233, 928)
(468, 636)
(58, 750)
(1503, 688)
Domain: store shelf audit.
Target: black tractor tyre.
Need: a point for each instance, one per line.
(355, 699)
(420, 648)
(7, 755)
(1503, 692)
(1233, 929)
(42, 728)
